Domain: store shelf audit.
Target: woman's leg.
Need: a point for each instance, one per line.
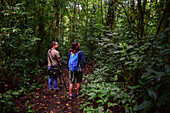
(71, 88)
(79, 76)
(78, 87)
(72, 80)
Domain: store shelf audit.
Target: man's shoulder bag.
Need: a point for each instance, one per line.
(54, 69)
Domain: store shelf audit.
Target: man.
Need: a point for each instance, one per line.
(53, 66)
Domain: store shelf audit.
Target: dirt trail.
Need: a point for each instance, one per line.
(44, 101)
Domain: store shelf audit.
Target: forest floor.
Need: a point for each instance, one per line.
(43, 101)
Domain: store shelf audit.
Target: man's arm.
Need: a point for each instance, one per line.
(59, 61)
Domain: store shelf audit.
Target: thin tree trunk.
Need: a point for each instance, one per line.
(2, 19)
(87, 12)
(94, 12)
(61, 28)
(27, 3)
(141, 18)
(87, 17)
(56, 18)
(166, 25)
(74, 20)
(41, 29)
(133, 5)
(111, 15)
(166, 20)
(102, 12)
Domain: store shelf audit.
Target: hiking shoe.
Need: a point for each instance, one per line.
(57, 90)
(49, 90)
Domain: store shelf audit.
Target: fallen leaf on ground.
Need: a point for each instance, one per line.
(62, 96)
(6, 85)
(37, 93)
(51, 112)
(40, 108)
(45, 107)
(42, 104)
(82, 101)
(69, 108)
(37, 88)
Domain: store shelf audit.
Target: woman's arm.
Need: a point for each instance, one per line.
(83, 59)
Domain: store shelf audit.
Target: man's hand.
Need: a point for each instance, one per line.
(58, 59)
(60, 64)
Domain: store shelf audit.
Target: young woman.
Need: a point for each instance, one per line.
(75, 67)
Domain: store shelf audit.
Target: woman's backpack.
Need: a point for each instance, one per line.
(73, 62)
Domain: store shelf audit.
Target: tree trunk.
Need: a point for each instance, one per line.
(166, 20)
(165, 26)
(102, 12)
(2, 19)
(26, 7)
(141, 18)
(94, 10)
(87, 17)
(41, 29)
(56, 18)
(111, 15)
(61, 28)
(133, 5)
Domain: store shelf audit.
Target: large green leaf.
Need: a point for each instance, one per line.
(142, 106)
(92, 96)
(152, 94)
(112, 104)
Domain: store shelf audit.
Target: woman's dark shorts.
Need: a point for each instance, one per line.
(75, 77)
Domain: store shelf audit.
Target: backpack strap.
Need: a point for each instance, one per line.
(51, 56)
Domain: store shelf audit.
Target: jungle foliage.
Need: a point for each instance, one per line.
(127, 40)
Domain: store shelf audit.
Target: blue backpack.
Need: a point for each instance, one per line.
(73, 62)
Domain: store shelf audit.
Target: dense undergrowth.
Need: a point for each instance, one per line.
(130, 54)
(131, 73)
(20, 70)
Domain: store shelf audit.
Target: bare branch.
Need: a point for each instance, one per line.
(7, 4)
